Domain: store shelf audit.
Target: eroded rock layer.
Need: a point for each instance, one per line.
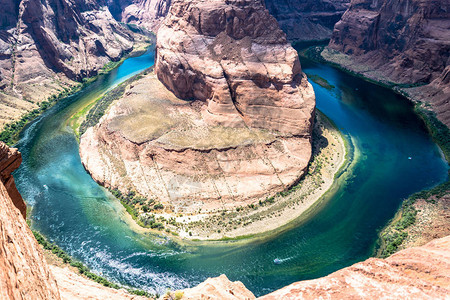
(404, 42)
(244, 131)
(146, 13)
(44, 45)
(233, 55)
(307, 20)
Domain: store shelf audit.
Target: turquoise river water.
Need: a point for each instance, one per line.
(71, 210)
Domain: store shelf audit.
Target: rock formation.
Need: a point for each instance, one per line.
(10, 160)
(309, 20)
(23, 271)
(404, 42)
(244, 131)
(44, 45)
(414, 273)
(145, 13)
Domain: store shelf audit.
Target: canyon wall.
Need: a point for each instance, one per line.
(145, 13)
(402, 42)
(46, 45)
(24, 273)
(300, 20)
(309, 20)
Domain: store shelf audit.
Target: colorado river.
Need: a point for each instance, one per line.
(395, 157)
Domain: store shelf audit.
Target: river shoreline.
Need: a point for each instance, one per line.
(421, 217)
(10, 133)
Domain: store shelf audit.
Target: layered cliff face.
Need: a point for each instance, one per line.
(146, 13)
(234, 56)
(23, 271)
(10, 160)
(309, 20)
(242, 131)
(404, 42)
(44, 45)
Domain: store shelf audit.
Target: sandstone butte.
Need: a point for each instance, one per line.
(236, 126)
(414, 273)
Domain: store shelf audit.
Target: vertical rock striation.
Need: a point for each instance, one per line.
(307, 20)
(233, 55)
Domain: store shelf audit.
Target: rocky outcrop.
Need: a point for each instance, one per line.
(10, 160)
(233, 55)
(400, 42)
(415, 273)
(242, 131)
(310, 20)
(44, 45)
(145, 13)
(219, 288)
(23, 271)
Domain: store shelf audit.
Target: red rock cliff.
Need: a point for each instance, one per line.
(234, 56)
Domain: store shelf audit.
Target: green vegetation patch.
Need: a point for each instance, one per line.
(393, 236)
(321, 81)
(11, 131)
(100, 107)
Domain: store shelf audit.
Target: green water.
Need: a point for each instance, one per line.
(78, 215)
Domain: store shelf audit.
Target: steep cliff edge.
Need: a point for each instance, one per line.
(46, 45)
(24, 273)
(238, 130)
(10, 160)
(405, 43)
(310, 20)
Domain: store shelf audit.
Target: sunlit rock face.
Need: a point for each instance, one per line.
(145, 13)
(234, 56)
(229, 125)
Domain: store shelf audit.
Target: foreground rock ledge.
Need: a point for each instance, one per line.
(415, 273)
(239, 128)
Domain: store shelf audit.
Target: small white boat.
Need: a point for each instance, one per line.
(277, 261)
